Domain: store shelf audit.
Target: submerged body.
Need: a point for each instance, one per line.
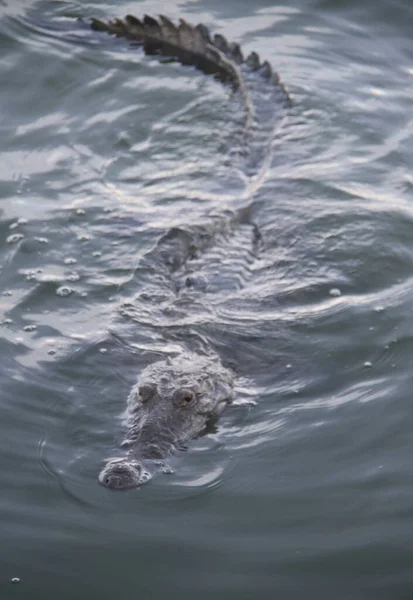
(174, 401)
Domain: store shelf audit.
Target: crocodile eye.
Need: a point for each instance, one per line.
(147, 391)
(184, 397)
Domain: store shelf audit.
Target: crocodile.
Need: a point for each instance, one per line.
(180, 398)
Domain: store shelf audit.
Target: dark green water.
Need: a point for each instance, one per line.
(307, 494)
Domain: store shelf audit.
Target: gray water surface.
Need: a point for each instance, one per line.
(305, 490)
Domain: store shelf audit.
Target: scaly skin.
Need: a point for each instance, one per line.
(174, 401)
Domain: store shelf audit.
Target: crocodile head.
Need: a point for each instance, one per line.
(174, 401)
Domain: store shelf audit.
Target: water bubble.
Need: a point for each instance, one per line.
(145, 476)
(17, 223)
(73, 277)
(14, 238)
(80, 211)
(64, 291)
(103, 350)
(97, 254)
(15, 580)
(70, 260)
(335, 292)
(168, 470)
(30, 328)
(51, 352)
(41, 240)
(368, 364)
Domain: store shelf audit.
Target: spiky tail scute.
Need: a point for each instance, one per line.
(193, 45)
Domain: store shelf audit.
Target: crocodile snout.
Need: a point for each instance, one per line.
(122, 475)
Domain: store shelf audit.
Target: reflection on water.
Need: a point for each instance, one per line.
(301, 282)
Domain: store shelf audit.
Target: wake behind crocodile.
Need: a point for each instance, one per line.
(190, 267)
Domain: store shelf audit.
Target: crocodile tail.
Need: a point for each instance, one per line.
(188, 44)
(260, 88)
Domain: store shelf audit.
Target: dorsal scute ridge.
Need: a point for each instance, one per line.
(190, 44)
(169, 31)
(221, 43)
(204, 31)
(150, 21)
